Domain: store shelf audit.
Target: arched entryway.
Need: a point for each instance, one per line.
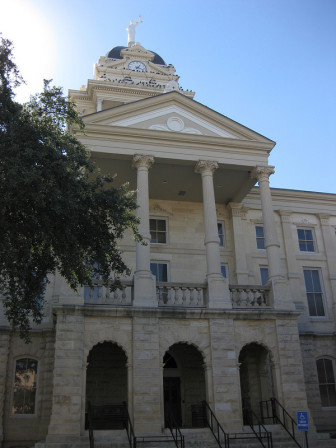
(106, 377)
(256, 376)
(184, 385)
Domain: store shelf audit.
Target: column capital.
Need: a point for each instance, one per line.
(142, 160)
(324, 219)
(206, 165)
(285, 215)
(237, 209)
(262, 172)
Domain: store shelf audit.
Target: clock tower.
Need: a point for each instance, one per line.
(124, 75)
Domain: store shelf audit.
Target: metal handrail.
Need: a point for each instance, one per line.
(252, 420)
(283, 417)
(129, 428)
(218, 431)
(174, 428)
(91, 438)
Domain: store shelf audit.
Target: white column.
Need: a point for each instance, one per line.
(281, 294)
(144, 283)
(218, 288)
(237, 213)
(328, 233)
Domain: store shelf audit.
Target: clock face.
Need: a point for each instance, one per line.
(137, 66)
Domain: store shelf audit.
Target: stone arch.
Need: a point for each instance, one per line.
(106, 374)
(184, 384)
(256, 369)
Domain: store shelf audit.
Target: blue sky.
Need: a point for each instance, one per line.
(267, 64)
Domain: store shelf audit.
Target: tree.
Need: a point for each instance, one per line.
(56, 211)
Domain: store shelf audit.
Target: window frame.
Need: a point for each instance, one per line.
(226, 266)
(165, 220)
(161, 262)
(306, 241)
(36, 387)
(261, 276)
(321, 292)
(259, 238)
(326, 383)
(221, 236)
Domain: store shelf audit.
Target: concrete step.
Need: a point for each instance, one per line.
(203, 438)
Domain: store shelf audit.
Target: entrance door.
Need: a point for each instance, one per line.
(172, 398)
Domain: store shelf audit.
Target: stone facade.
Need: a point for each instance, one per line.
(206, 329)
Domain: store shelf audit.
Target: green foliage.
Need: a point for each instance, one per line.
(56, 211)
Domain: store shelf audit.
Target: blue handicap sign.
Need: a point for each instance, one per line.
(302, 420)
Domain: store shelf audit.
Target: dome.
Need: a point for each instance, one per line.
(115, 54)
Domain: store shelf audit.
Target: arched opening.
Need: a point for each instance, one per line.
(184, 385)
(106, 380)
(256, 376)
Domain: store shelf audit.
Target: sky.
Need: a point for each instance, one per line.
(267, 64)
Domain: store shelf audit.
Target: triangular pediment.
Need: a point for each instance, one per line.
(173, 112)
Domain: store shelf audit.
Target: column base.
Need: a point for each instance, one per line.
(218, 292)
(144, 289)
(281, 296)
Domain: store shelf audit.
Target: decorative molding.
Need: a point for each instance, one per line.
(175, 124)
(285, 215)
(324, 219)
(158, 210)
(262, 173)
(140, 160)
(173, 109)
(206, 165)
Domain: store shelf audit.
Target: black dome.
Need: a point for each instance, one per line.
(115, 54)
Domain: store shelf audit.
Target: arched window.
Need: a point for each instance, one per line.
(326, 378)
(24, 391)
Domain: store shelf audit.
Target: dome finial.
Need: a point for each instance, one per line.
(131, 31)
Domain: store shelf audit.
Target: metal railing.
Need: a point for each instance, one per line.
(216, 428)
(173, 427)
(272, 409)
(258, 428)
(129, 429)
(109, 416)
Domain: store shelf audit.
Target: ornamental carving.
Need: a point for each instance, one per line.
(206, 165)
(285, 216)
(324, 219)
(262, 173)
(142, 160)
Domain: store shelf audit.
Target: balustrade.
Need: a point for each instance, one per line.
(181, 294)
(244, 296)
(101, 295)
(184, 295)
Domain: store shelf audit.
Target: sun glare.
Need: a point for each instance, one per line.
(34, 44)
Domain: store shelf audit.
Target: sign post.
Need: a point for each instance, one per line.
(302, 422)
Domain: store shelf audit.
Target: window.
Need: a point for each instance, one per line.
(306, 240)
(160, 271)
(263, 275)
(314, 292)
(158, 231)
(224, 270)
(221, 234)
(24, 392)
(326, 379)
(260, 237)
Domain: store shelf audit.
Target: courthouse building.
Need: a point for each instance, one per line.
(232, 301)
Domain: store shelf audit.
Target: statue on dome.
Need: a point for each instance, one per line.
(131, 30)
